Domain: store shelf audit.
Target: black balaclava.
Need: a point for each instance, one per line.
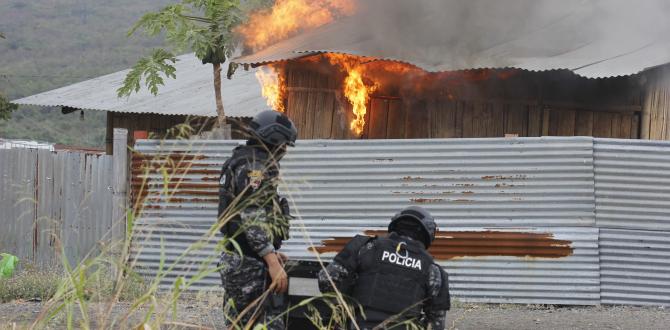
(278, 151)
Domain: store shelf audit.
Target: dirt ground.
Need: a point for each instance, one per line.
(205, 314)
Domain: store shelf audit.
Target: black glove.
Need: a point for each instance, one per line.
(285, 209)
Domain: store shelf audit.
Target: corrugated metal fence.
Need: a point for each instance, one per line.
(518, 217)
(632, 181)
(48, 199)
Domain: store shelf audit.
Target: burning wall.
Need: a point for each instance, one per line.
(398, 100)
(473, 103)
(364, 77)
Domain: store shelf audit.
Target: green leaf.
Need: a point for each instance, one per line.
(7, 265)
(152, 69)
(205, 27)
(167, 19)
(130, 223)
(6, 108)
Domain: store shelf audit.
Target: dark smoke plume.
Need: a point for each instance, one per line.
(452, 34)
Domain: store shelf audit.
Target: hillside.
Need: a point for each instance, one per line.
(53, 43)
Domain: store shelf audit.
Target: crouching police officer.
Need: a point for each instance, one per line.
(393, 278)
(254, 220)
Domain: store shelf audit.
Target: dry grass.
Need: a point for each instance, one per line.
(32, 284)
(87, 296)
(29, 284)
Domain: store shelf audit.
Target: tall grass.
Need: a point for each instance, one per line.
(153, 303)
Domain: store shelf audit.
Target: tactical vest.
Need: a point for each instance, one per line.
(230, 188)
(393, 278)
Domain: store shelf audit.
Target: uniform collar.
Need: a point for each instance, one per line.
(394, 235)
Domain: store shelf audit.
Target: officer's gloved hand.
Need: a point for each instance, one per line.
(285, 209)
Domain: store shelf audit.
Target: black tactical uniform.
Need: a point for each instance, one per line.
(254, 217)
(393, 278)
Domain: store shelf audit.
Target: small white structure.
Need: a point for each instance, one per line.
(25, 144)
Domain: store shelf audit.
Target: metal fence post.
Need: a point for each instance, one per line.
(119, 189)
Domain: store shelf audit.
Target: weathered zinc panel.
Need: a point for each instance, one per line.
(52, 202)
(174, 187)
(465, 182)
(635, 267)
(535, 265)
(632, 183)
(17, 207)
(191, 93)
(477, 188)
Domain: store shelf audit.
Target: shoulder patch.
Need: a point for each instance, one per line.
(255, 178)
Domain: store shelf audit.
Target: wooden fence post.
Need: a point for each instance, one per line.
(119, 189)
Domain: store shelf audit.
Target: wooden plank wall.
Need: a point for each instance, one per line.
(460, 119)
(315, 105)
(529, 104)
(656, 111)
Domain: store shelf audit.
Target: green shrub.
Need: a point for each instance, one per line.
(29, 284)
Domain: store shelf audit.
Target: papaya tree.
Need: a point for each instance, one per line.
(205, 27)
(6, 108)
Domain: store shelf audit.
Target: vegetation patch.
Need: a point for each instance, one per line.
(29, 284)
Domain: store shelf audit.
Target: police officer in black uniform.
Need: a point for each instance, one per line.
(393, 278)
(254, 221)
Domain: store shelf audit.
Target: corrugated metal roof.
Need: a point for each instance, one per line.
(632, 184)
(594, 39)
(191, 93)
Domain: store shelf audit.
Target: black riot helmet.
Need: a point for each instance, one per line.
(418, 216)
(273, 128)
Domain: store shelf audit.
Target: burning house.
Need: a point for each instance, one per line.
(525, 220)
(346, 69)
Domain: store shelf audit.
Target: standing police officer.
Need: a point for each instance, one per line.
(254, 221)
(393, 278)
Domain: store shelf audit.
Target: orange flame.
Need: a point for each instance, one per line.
(356, 90)
(288, 17)
(366, 75)
(358, 94)
(273, 88)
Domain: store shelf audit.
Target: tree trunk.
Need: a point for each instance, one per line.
(221, 120)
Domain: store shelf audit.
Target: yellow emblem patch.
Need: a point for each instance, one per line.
(255, 178)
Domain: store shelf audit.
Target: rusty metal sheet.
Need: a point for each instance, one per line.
(503, 265)
(465, 182)
(541, 187)
(632, 182)
(634, 267)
